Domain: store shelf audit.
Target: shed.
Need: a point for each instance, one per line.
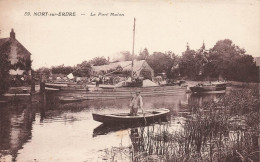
(140, 68)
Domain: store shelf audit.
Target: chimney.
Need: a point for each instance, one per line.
(12, 34)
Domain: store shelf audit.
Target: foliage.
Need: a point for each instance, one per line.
(4, 72)
(61, 69)
(187, 64)
(212, 133)
(97, 61)
(231, 62)
(22, 64)
(161, 62)
(225, 60)
(83, 69)
(44, 70)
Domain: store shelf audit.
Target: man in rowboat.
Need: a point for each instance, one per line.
(136, 103)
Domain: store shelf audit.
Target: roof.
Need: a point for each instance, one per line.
(3, 41)
(257, 61)
(21, 46)
(58, 75)
(126, 65)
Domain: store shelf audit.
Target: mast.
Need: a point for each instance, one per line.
(132, 73)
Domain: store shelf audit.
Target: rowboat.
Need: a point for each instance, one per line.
(104, 129)
(125, 118)
(218, 86)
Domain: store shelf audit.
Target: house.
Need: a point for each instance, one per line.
(140, 69)
(18, 55)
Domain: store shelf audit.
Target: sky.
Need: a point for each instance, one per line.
(161, 26)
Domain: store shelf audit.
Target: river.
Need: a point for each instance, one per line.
(68, 133)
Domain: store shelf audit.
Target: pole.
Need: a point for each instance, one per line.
(133, 51)
(32, 82)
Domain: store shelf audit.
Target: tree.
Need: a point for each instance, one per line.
(83, 70)
(187, 64)
(44, 70)
(161, 62)
(62, 69)
(230, 61)
(97, 61)
(4, 71)
(244, 69)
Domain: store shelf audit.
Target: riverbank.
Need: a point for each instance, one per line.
(226, 129)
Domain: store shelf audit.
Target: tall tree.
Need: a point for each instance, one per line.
(161, 62)
(229, 61)
(187, 64)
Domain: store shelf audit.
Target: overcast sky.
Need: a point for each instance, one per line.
(160, 26)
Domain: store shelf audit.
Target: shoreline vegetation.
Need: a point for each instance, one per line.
(224, 130)
(224, 61)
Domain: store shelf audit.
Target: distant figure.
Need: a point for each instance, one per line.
(136, 103)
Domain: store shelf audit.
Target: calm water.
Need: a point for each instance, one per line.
(68, 132)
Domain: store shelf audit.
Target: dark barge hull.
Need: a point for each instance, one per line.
(124, 118)
(199, 89)
(118, 93)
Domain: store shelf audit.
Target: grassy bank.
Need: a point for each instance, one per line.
(225, 130)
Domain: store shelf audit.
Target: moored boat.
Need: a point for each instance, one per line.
(124, 92)
(147, 117)
(55, 85)
(69, 100)
(216, 86)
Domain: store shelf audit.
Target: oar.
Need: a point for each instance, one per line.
(144, 117)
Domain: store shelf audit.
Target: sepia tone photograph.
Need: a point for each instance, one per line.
(129, 81)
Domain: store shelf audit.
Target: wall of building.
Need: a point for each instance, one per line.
(19, 56)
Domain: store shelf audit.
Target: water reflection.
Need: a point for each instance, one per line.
(199, 98)
(64, 132)
(15, 128)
